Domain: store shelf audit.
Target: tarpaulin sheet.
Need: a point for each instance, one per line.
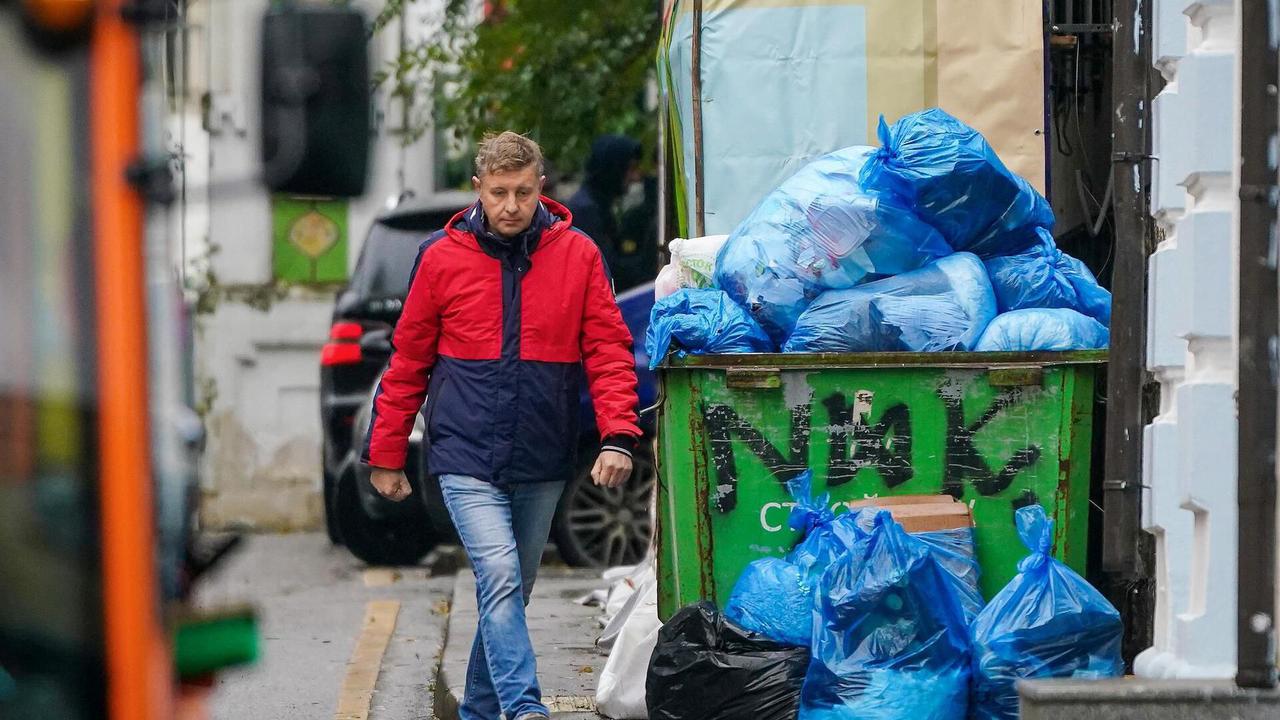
(785, 81)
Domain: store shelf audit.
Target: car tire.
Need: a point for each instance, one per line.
(402, 541)
(601, 527)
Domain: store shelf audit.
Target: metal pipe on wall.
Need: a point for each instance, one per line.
(1259, 327)
(699, 177)
(663, 108)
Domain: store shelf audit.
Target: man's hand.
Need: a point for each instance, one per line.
(612, 469)
(391, 484)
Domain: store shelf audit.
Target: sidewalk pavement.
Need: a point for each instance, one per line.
(563, 634)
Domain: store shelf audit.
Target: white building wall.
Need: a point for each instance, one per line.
(257, 351)
(1190, 448)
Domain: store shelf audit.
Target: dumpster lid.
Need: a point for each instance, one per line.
(890, 359)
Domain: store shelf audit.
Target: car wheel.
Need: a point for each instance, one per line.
(379, 542)
(606, 527)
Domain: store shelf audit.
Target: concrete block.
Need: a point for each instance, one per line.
(1160, 511)
(1194, 125)
(1190, 449)
(1192, 510)
(1167, 195)
(1167, 308)
(1169, 36)
(1213, 25)
(1131, 699)
(1206, 238)
(1200, 538)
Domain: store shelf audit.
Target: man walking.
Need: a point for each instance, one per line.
(506, 305)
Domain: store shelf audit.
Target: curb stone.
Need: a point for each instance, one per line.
(563, 634)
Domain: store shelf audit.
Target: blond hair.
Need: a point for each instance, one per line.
(506, 151)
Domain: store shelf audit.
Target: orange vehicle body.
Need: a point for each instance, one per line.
(139, 681)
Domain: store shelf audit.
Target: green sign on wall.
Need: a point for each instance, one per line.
(310, 240)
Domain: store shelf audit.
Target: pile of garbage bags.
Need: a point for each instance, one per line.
(889, 625)
(820, 230)
(945, 305)
(918, 245)
(890, 639)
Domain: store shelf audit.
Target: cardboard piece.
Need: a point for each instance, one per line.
(922, 513)
(888, 500)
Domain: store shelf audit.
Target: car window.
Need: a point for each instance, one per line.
(386, 262)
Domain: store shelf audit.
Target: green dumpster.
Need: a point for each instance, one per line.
(996, 430)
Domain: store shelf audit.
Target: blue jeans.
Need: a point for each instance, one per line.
(504, 531)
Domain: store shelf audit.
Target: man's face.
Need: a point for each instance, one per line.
(509, 198)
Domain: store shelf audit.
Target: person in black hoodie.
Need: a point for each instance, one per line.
(613, 164)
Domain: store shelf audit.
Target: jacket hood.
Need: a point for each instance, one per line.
(606, 170)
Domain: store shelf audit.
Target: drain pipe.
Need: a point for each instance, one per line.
(1256, 398)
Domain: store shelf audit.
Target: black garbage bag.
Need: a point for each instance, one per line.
(706, 668)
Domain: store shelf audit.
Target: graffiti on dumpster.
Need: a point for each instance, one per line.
(855, 443)
(885, 445)
(963, 461)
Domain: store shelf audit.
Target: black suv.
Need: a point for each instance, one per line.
(593, 526)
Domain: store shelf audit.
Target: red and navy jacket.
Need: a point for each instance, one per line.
(495, 334)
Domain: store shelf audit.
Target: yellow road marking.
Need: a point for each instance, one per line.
(362, 670)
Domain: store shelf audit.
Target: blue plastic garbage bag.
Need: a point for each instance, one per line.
(774, 596)
(956, 553)
(1046, 277)
(702, 321)
(890, 638)
(820, 230)
(772, 599)
(948, 173)
(1032, 330)
(954, 550)
(943, 306)
(1047, 622)
(826, 536)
